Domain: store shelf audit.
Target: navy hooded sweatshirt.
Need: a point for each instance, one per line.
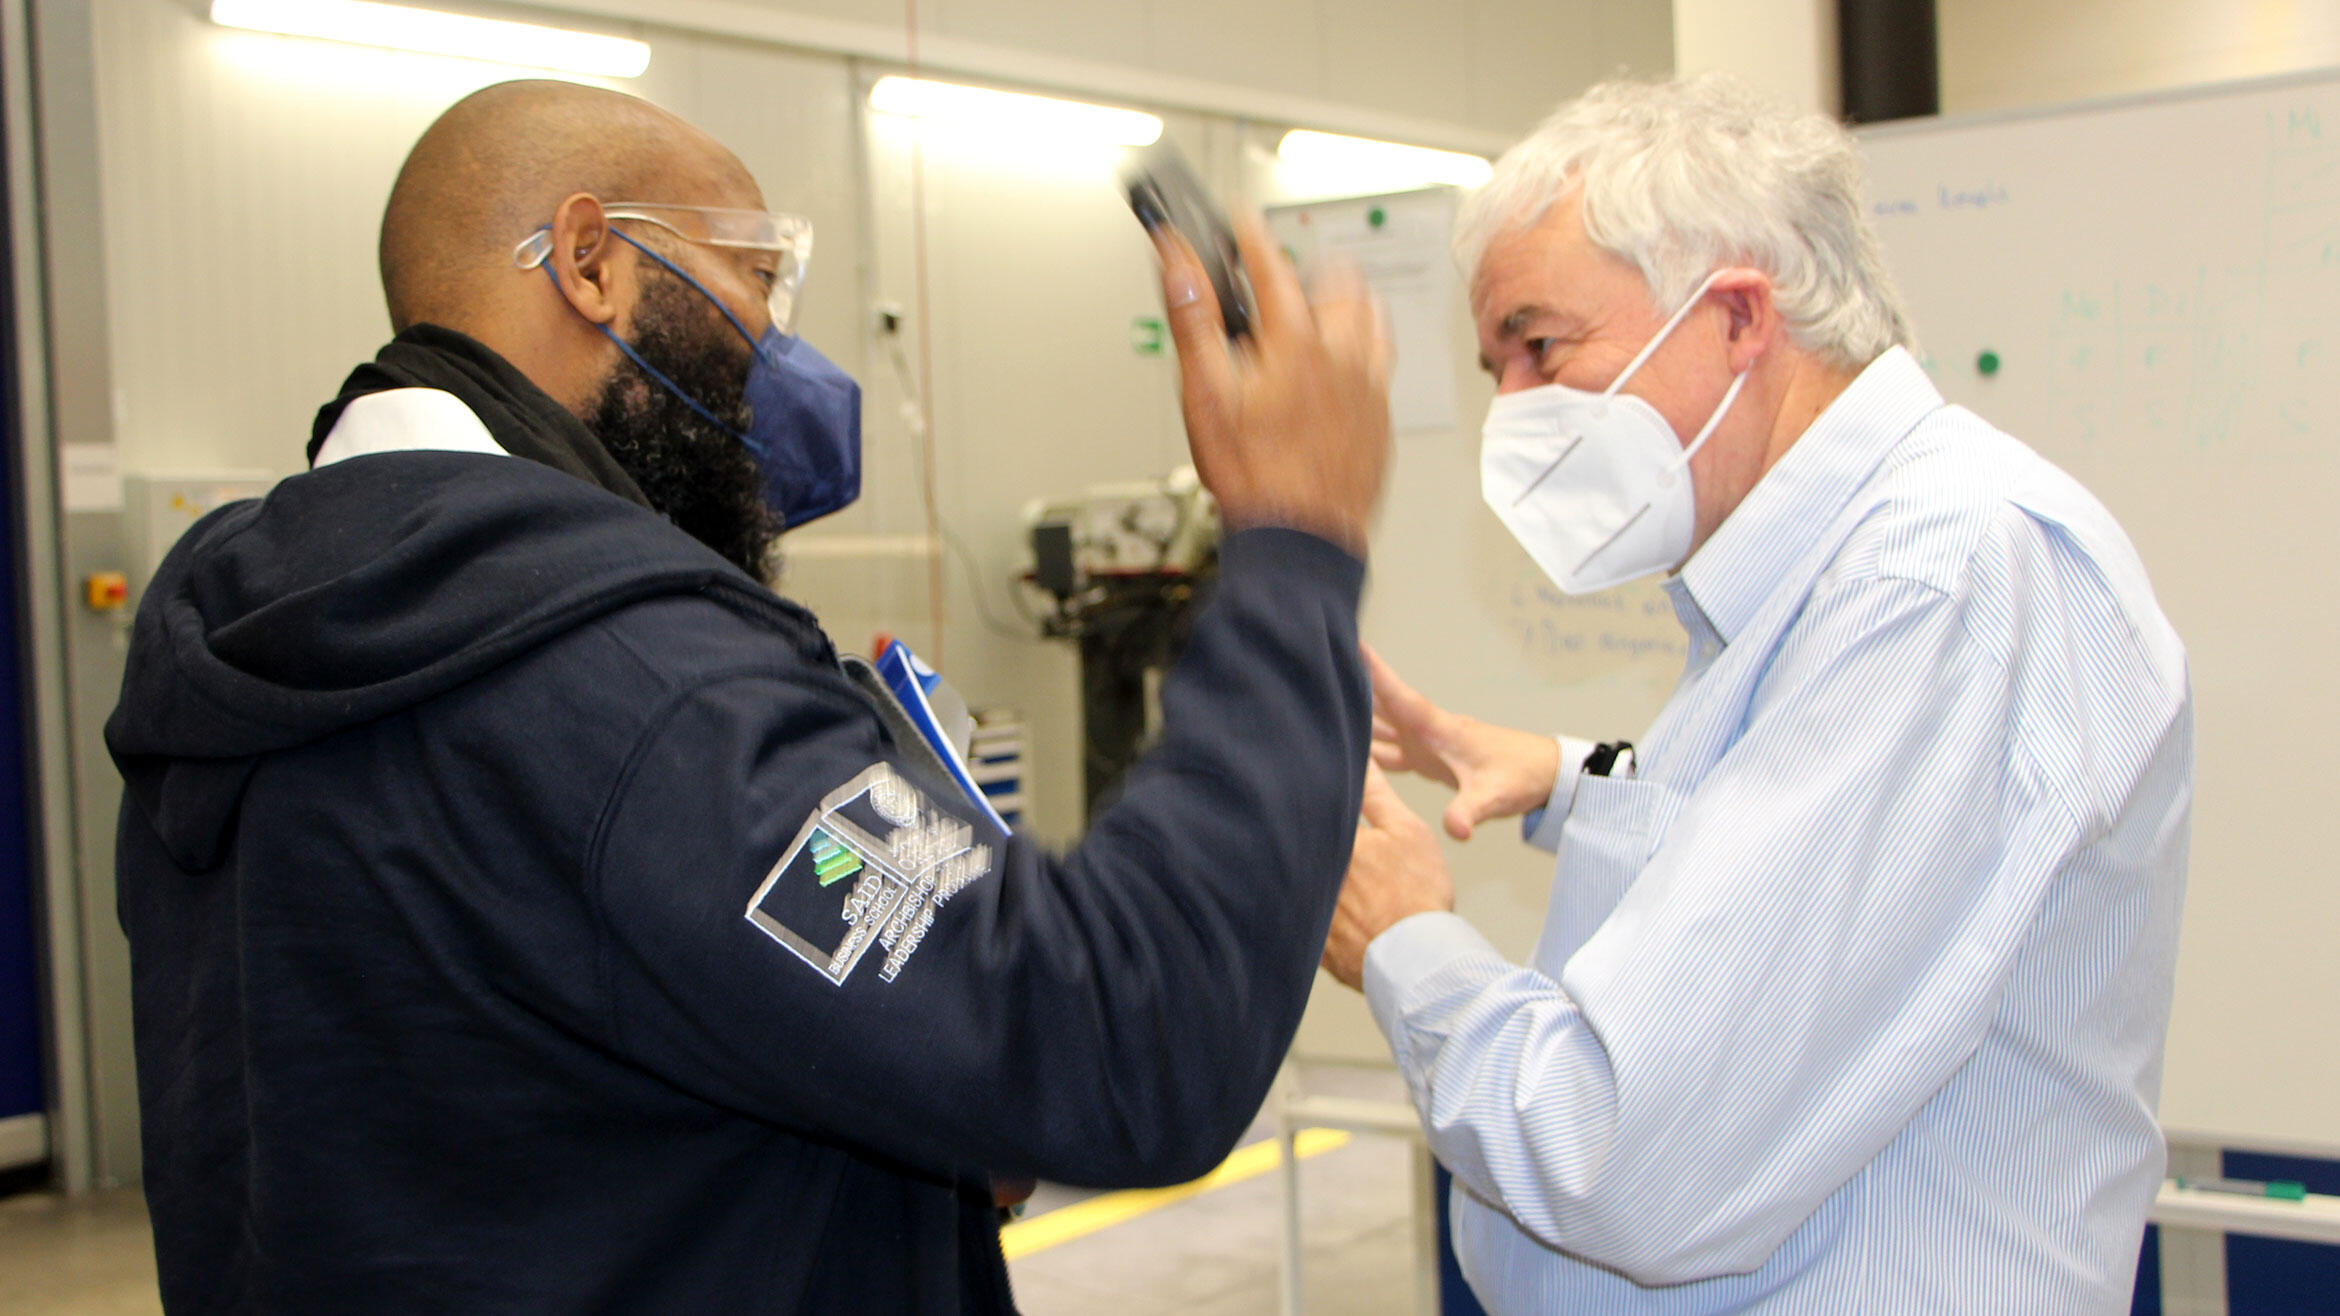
(527, 915)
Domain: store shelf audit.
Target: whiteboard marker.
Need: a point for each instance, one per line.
(2290, 1190)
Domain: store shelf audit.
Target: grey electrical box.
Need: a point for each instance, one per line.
(158, 507)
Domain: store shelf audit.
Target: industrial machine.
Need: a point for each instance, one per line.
(1126, 565)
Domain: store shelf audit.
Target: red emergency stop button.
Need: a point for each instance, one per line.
(106, 590)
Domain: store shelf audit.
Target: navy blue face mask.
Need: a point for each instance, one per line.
(804, 429)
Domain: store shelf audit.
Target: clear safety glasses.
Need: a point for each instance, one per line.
(788, 236)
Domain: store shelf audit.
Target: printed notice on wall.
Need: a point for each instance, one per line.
(1400, 243)
(89, 477)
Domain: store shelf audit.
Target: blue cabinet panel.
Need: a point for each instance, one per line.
(20, 1014)
(2274, 1276)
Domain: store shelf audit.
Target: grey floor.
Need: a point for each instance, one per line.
(1211, 1255)
(1217, 1254)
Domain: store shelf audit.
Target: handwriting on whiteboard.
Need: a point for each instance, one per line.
(2224, 350)
(1579, 637)
(1947, 197)
(2194, 353)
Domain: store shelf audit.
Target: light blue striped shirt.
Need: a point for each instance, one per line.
(1853, 999)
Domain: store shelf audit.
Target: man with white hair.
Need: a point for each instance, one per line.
(1852, 992)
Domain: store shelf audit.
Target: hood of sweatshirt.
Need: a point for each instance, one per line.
(363, 588)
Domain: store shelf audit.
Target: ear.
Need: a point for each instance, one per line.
(1754, 324)
(589, 261)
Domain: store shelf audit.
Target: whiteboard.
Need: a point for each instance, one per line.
(2159, 280)
(1399, 243)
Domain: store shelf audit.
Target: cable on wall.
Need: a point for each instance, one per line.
(924, 436)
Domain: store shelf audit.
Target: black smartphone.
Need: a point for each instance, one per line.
(1165, 193)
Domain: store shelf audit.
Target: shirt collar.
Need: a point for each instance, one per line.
(405, 420)
(1745, 559)
(1705, 641)
(520, 417)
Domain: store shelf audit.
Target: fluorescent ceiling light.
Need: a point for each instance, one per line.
(1011, 113)
(1380, 161)
(430, 32)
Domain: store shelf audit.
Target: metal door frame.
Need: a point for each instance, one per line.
(63, 370)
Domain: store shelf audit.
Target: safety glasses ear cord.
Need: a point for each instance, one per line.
(786, 236)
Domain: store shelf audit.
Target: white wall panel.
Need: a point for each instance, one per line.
(1632, 35)
(1519, 57)
(1786, 48)
(244, 178)
(854, 11)
(1527, 56)
(1412, 58)
(1119, 33)
(1256, 43)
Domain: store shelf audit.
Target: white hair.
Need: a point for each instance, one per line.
(1680, 178)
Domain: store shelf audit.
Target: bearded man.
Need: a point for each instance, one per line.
(528, 914)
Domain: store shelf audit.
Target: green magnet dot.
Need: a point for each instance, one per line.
(1376, 217)
(1987, 363)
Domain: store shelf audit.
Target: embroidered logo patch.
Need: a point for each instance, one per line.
(868, 869)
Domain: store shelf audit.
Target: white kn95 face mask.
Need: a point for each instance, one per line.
(1595, 486)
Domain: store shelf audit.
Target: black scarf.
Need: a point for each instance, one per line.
(521, 417)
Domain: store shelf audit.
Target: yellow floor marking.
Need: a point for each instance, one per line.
(1066, 1223)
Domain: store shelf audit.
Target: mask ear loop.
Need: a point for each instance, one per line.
(1713, 422)
(1730, 396)
(1672, 323)
(533, 251)
(678, 272)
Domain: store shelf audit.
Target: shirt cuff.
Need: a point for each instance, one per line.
(1541, 827)
(1407, 952)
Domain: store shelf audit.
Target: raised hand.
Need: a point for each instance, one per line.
(1290, 425)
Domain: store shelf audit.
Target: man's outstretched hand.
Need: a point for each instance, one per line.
(1290, 425)
(1496, 772)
